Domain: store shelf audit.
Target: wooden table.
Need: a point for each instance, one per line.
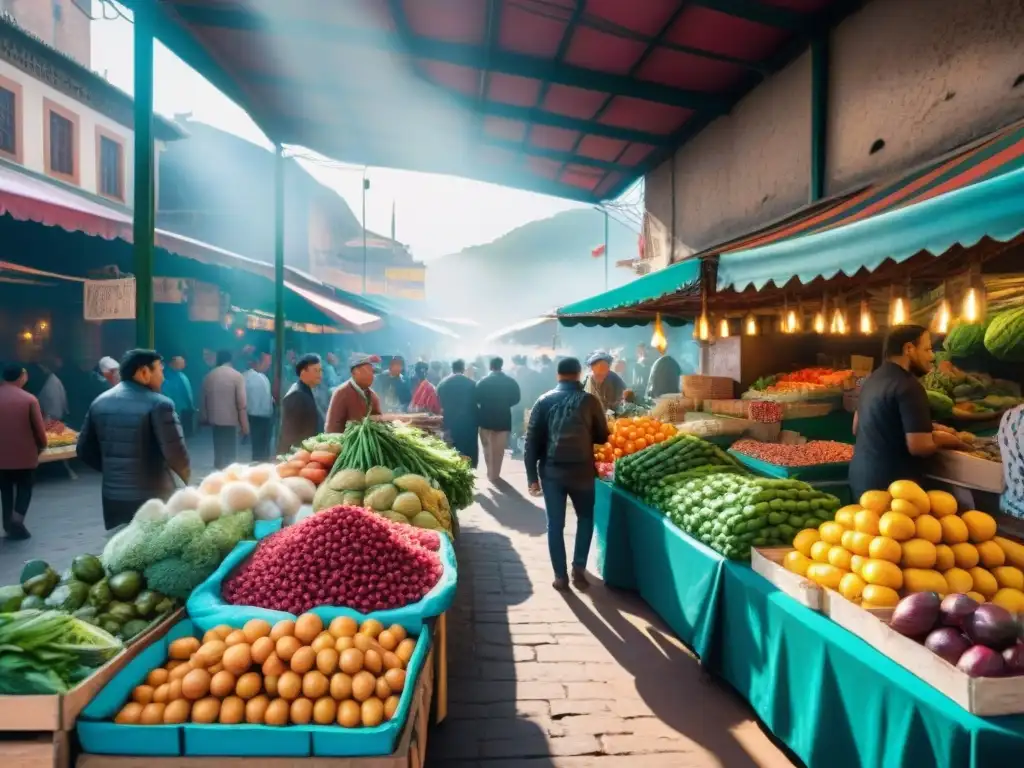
(63, 454)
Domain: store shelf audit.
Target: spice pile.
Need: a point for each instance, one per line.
(809, 454)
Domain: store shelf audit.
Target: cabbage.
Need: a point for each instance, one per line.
(380, 497)
(407, 503)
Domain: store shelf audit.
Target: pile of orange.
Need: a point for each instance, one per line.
(629, 435)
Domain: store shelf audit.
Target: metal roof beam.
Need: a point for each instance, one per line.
(751, 10)
(558, 155)
(459, 54)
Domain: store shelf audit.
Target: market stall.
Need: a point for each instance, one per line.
(202, 632)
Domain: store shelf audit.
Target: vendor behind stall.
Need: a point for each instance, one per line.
(893, 423)
(603, 383)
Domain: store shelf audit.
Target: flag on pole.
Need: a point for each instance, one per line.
(598, 252)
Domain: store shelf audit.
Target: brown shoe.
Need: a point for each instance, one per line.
(561, 584)
(580, 580)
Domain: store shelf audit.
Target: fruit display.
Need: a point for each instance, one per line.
(765, 411)
(980, 447)
(953, 393)
(406, 498)
(294, 673)
(629, 435)
(312, 460)
(58, 435)
(404, 449)
(809, 454)
(343, 557)
(641, 471)
(49, 652)
(902, 541)
(121, 604)
(605, 469)
(804, 384)
(1004, 336)
(965, 340)
(979, 640)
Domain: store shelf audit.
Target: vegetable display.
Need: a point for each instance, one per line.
(406, 450)
(806, 383)
(406, 498)
(120, 604)
(294, 673)
(49, 652)
(639, 472)
(965, 340)
(1004, 336)
(765, 411)
(903, 541)
(344, 556)
(313, 460)
(953, 393)
(631, 435)
(811, 453)
(980, 640)
(59, 435)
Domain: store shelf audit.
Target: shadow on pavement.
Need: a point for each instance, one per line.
(667, 677)
(513, 510)
(485, 722)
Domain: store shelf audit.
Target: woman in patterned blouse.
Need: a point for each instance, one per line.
(1011, 445)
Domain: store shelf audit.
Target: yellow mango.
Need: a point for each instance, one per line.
(840, 557)
(984, 582)
(883, 573)
(1008, 576)
(825, 575)
(976, 596)
(965, 555)
(851, 586)
(1010, 599)
(856, 563)
(928, 528)
(897, 526)
(924, 580)
(908, 490)
(819, 551)
(904, 507)
(797, 562)
(980, 526)
(944, 559)
(991, 554)
(857, 542)
(1013, 550)
(831, 532)
(845, 516)
(877, 596)
(876, 501)
(802, 541)
(954, 530)
(942, 503)
(884, 548)
(958, 580)
(866, 521)
(918, 553)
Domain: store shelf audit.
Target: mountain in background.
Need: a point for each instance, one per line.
(531, 270)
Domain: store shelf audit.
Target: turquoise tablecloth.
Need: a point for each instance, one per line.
(825, 693)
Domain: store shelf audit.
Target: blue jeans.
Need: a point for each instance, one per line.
(556, 492)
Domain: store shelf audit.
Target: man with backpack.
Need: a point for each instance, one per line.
(565, 424)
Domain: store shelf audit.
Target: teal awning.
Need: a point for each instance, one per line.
(674, 292)
(992, 208)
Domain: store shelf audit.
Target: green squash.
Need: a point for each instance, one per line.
(1004, 338)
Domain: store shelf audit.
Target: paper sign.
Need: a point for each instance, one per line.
(109, 299)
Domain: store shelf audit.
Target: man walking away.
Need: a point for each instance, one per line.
(132, 435)
(179, 389)
(354, 400)
(457, 394)
(300, 415)
(24, 439)
(223, 408)
(496, 395)
(259, 405)
(565, 424)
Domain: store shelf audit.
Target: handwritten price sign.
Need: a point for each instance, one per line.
(109, 299)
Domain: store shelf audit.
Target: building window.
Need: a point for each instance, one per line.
(60, 149)
(10, 120)
(111, 167)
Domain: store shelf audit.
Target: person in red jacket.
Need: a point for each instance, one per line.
(24, 439)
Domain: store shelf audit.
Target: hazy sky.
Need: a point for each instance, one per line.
(436, 215)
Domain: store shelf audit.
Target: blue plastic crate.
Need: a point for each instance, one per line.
(206, 606)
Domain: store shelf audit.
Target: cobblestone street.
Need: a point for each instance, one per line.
(537, 678)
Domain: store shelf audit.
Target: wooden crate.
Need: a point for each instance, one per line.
(41, 750)
(411, 751)
(58, 713)
(768, 563)
(984, 696)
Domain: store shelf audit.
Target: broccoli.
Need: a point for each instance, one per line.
(225, 532)
(176, 578)
(201, 553)
(128, 549)
(176, 534)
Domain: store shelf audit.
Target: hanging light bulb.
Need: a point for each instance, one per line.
(723, 329)
(792, 321)
(899, 310)
(867, 320)
(703, 327)
(943, 317)
(838, 325)
(750, 325)
(658, 340)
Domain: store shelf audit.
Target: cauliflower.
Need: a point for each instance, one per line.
(174, 577)
(128, 549)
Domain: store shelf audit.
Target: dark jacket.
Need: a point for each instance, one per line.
(496, 394)
(565, 425)
(457, 394)
(300, 417)
(132, 435)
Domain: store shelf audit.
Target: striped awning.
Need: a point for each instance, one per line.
(891, 220)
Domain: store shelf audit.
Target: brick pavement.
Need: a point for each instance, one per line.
(537, 679)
